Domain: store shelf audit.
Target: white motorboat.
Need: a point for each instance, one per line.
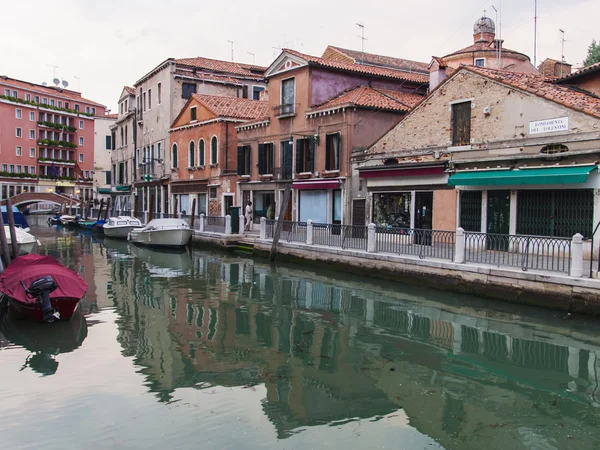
(65, 219)
(163, 233)
(25, 241)
(121, 226)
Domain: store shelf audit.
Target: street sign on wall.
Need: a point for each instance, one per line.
(549, 125)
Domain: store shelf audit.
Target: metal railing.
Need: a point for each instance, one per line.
(343, 236)
(214, 224)
(525, 252)
(271, 224)
(293, 231)
(419, 242)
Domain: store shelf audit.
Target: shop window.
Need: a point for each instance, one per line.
(461, 123)
(305, 155)
(332, 151)
(392, 210)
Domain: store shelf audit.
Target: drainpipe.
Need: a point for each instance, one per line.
(226, 145)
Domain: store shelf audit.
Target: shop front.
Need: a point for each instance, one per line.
(319, 201)
(185, 192)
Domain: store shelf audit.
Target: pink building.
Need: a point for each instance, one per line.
(46, 139)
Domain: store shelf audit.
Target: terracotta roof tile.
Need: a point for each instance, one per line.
(380, 60)
(543, 87)
(362, 69)
(208, 77)
(130, 90)
(226, 67)
(46, 90)
(233, 107)
(581, 72)
(367, 97)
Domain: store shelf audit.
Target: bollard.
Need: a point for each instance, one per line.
(371, 238)
(242, 223)
(202, 223)
(227, 224)
(309, 232)
(459, 246)
(263, 228)
(577, 256)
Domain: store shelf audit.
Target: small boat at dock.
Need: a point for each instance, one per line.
(67, 220)
(163, 233)
(41, 288)
(121, 226)
(25, 241)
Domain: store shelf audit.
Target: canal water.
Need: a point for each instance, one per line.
(206, 349)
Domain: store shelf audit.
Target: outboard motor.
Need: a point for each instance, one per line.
(41, 289)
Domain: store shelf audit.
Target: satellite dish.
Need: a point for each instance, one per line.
(44, 84)
(64, 83)
(56, 81)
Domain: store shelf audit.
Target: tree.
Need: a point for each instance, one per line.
(593, 55)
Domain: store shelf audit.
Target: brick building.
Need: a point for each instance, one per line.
(46, 139)
(204, 155)
(320, 111)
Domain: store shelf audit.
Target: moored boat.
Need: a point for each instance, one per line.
(39, 287)
(68, 220)
(98, 227)
(121, 226)
(163, 233)
(25, 241)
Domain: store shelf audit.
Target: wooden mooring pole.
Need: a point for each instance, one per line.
(100, 211)
(107, 209)
(151, 207)
(11, 225)
(135, 206)
(193, 213)
(284, 204)
(4, 243)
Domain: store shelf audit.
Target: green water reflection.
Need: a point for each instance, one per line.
(323, 353)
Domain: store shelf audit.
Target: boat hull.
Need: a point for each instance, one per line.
(65, 307)
(119, 232)
(162, 238)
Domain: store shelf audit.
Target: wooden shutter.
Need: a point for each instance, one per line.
(299, 155)
(311, 155)
(240, 160)
(248, 159)
(461, 123)
(262, 163)
(328, 150)
(108, 143)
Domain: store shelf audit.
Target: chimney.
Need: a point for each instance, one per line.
(437, 72)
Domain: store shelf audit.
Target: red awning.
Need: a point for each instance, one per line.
(317, 184)
(399, 172)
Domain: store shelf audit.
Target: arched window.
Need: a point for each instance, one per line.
(174, 159)
(201, 160)
(191, 154)
(214, 145)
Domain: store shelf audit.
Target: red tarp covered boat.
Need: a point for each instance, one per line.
(40, 287)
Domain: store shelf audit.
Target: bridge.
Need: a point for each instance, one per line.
(28, 198)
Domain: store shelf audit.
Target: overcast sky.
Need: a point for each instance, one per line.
(99, 46)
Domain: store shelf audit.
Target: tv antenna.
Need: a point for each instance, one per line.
(362, 39)
(231, 42)
(253, 55)
(534, 32)
(562, 49)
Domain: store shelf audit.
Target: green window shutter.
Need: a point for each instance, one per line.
(201, 152)
(262, 160)
(311, 155)
(240, 161)
(328, 149)
(249, 156)
(299, 155)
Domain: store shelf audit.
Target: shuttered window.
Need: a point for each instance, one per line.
(332, 151)
(265, 159)
(201, 157)
(461, 123)
(305, 155)
(243, 155)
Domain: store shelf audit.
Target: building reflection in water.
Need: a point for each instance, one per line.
(330, 350)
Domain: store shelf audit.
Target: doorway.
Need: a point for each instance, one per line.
(423, 217)
(227, 204)
(498, 219)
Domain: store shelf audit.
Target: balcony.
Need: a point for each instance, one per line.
(59, 144)
(283, 173)
(57, 126)
(147, 171)
(56, 161)
(285, 110)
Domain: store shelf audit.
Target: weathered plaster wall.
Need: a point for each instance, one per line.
(444, 209)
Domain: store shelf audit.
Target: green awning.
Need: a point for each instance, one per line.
(551, 175)
(103, 190)
(122, 188)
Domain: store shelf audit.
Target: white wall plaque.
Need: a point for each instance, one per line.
(549, 125)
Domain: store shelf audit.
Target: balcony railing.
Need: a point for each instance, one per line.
(56, 161)
(149, 168)
(283, 173)
(288, 109)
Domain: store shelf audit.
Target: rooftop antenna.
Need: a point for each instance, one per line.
(231, 42)
(497, 46)
(56, 81)
(500, 35)
(64, 83)
(562, 50)
(253, 55)
(362, 39)
(53, 70)
(534, 33)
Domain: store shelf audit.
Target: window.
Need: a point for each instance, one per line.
(18, 132)
(158, 151)
(14, 94)
(256, 90)
(191, 154)
(107, 177)
(18, 168)
(144, 101)
(125, 134)
(80, 140)
(113, 139)
(214, 145)
(44, 101)
(305, 155)
(76, 107)
(174, 162)
(332, 151)
(108, 144)
(32, 170)
(51, 102)
(32, 116)
(193, 113)
(81, 124)
(37, 99)
(287, 96)
(66, 105)
(461, 123)
(265, 158)
(159, 87)
(122, 137)
(480, 62)
(243, 163)
(28, 97)
(212, 191)
(4, 168)
(149, 98)
(60, 104)
(31, 134)
(187, 90)
(201, 160)
(121, 107)
(7, 92)
(32, 152)
(11, 168)
(19, 151)
(86, 174)
(126, 106)
(81, 157)
(244, 91)
(18, 113)
(94, 111)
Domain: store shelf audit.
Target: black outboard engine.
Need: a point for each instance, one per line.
(41, 289)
